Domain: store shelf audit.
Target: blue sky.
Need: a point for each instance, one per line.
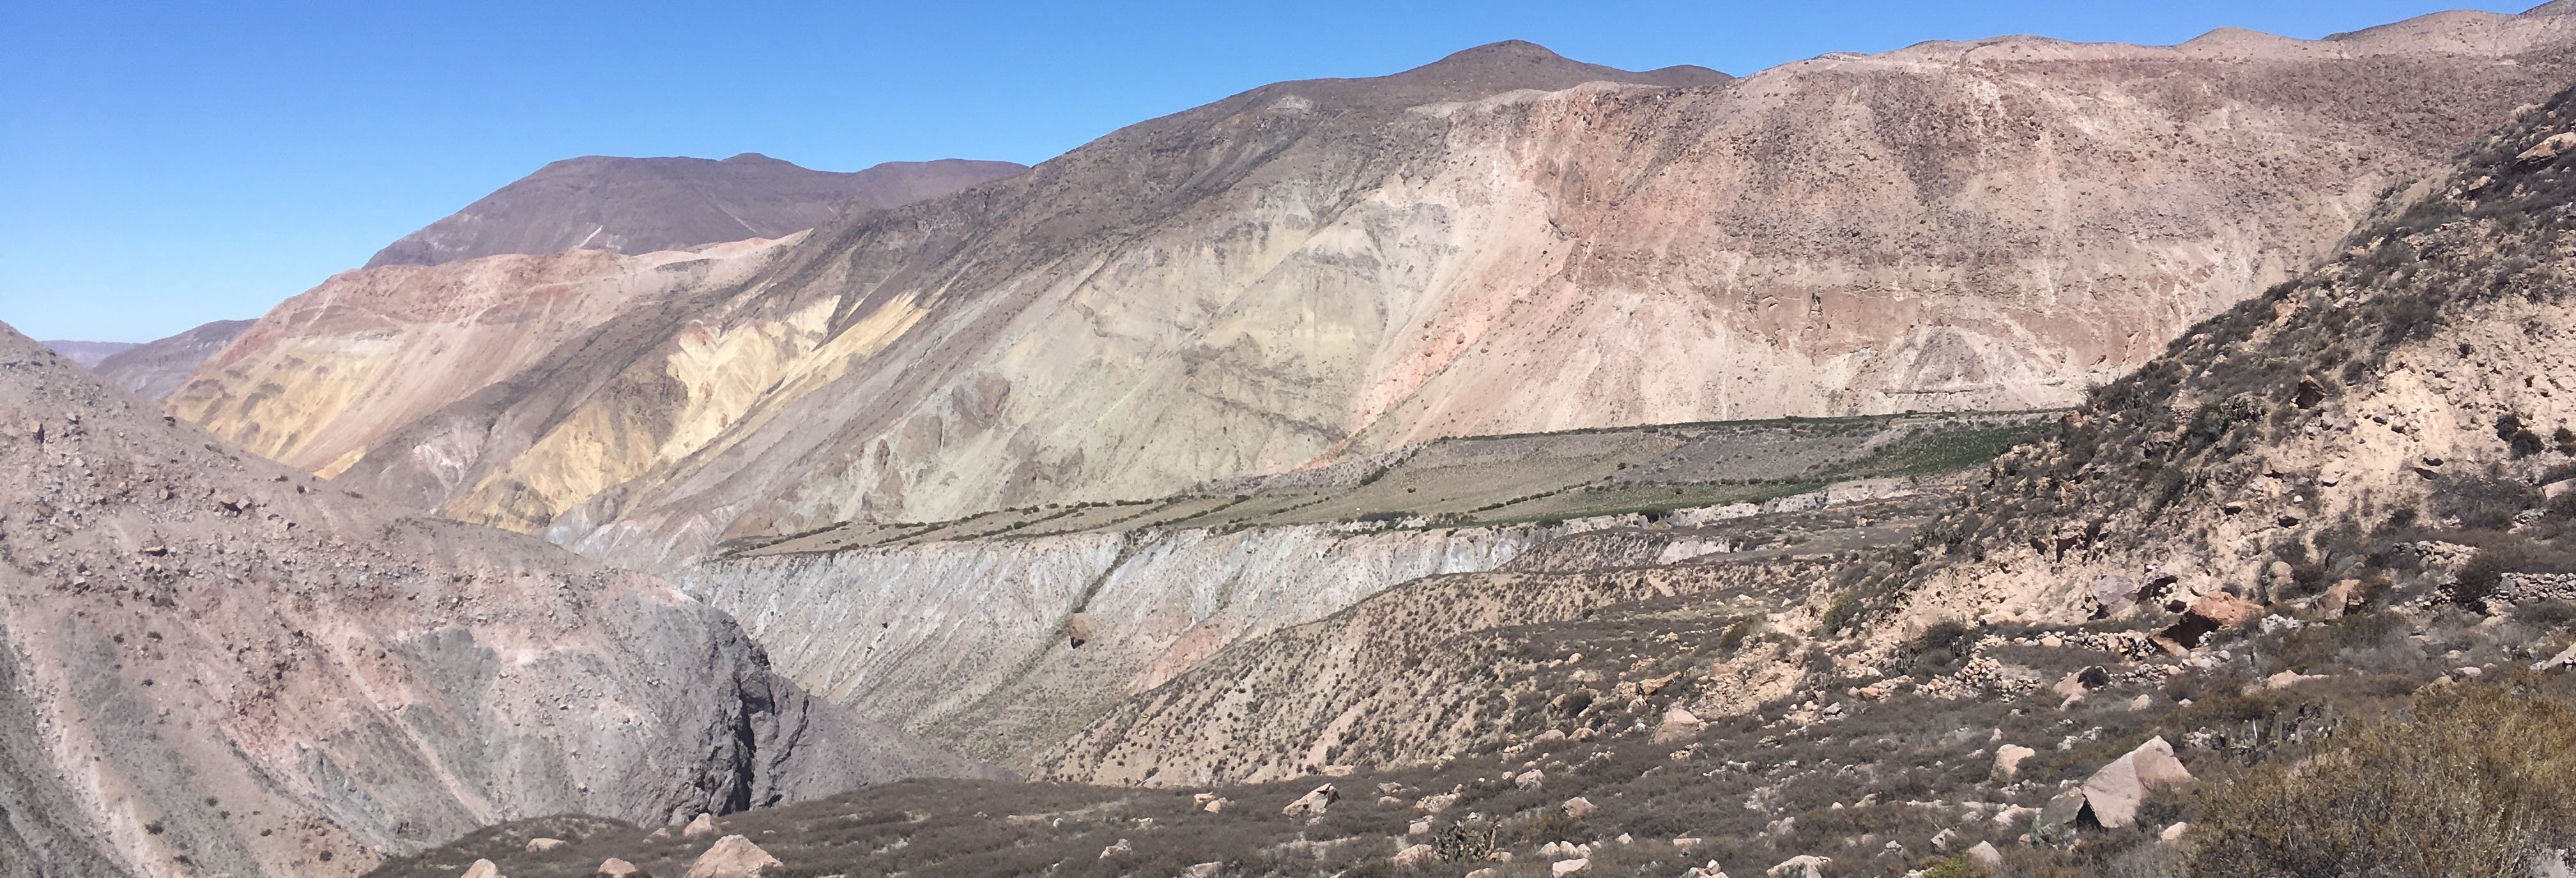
(166, 164)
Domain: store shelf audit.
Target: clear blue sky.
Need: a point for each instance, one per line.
(165, 164)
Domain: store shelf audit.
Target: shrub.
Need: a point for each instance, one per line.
(1844, 611)
(2474, 784)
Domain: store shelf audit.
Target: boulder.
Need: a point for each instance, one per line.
(617, 868)
(482, 869)
(1420, 826)
(1204, 870)
(2008, 759)
(1216, 806)
(2063, 809)
(2337, 599)
(1984, 854)
(1529, 780)
(2212, 612)
(1569, 867)
(1414, 855)
(2114, 593)
(1678, 725)
(1122, 847)
(1313, 803)
(2550, 148)
(1800, 866)
(2113, 793)
(2563, 659)
(1577, 807)
(704, 825)
(1484, 873)
(734, 856)
(2069, 690)
(542, 845)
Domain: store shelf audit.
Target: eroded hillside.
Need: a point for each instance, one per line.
(1501, 242)
(217, 664)
(2302, 587)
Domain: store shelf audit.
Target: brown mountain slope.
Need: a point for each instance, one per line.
(156, 369)
(216, 664)
(88, 353)
(321, 377)
(1319, 269)
(640, 205)
(2419, 387)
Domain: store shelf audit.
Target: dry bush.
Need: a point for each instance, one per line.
(2475, 784)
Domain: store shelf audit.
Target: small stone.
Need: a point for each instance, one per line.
(482, 869)
(1414, 855)
(1568, 867)
(1578, 807)
(1204, 870)
(542, 845)
(1122, 847)
(2173, 833)
(617, 868)
(1529, 780)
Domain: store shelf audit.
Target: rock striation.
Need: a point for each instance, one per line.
(1503, 241)
(214, 663)
(2420, 375)
(1002, 647)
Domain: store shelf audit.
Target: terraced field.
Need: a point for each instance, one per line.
(1496, 480)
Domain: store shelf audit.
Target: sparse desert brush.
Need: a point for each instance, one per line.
(2475, 783)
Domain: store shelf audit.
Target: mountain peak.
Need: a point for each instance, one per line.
(640, 205)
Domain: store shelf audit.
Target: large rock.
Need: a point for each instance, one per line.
(701, 825)
(1678, 725)
(482, 869)
(2113, 793)
(1313, 803)
(1800, 866)
(617, 868)
(2008, 759)
(734, 856)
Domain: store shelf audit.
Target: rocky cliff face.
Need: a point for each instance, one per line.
(640, 205)
(215, 663)
(156, 369)
(1501, 242)
(1002, 647)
